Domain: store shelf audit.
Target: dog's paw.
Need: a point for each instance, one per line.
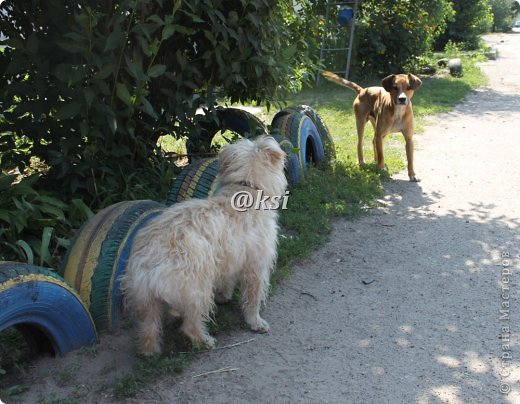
(207, 343)
(260, 325)
(150, 346)
(413, 178)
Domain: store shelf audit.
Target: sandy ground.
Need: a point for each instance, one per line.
(400, 306)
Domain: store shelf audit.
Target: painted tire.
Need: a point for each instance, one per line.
(242, 122)
(237, 120)
(98, 256)
(292, 164)
(196, 181)
(325, 135)
(303, 135)
(44, 308)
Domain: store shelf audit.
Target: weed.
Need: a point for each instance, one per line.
(127, 386)
(146, 369)
(54, 400)
(15, 391)
(67, 375)
(90, 350)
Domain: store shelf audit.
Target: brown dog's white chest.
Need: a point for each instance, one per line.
(399, 118)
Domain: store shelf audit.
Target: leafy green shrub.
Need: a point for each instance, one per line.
(35, 226)
(391, 34)
(88, 87)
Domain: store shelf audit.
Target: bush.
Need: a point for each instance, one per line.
(89, 87)
(35, 227)
(392, 34)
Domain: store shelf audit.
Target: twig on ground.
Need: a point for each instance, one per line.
(222, 347)
(302, 292)
(222, 370)
(309, 294)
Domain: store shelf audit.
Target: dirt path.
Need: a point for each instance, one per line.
(403, 305)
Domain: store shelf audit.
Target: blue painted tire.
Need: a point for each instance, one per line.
(326, 137)
(292, 164)
(44, 308)
(303, 135)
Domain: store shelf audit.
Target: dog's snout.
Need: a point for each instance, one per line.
(402, 98)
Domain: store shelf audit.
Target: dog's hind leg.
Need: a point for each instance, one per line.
(149, 328)
(194, 328)
(253, 293)
(225, 290)
(360, 124)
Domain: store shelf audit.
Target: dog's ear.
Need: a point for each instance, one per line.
(275, 155)
(225, 158)
(388, 82)
(271, 150)
(415, 82)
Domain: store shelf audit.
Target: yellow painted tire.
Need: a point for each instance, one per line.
(197, 180)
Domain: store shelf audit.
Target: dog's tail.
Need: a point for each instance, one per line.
(342, 82)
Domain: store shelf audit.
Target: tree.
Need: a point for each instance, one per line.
(472, 18)
(502, 15)
(88, 87)
(392, 34)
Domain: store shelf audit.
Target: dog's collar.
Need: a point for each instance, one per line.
(247, 184)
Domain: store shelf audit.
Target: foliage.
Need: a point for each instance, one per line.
(515, 7)
(502, 15)
(392, 34)
(88, 87)
(35, 225)
(472, 18)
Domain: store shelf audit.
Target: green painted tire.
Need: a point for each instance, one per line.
(48, 313)
(98, 254)
(197, 180)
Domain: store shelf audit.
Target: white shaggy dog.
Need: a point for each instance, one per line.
(193, 253)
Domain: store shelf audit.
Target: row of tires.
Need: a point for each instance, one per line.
(62, 312)
(301, 132)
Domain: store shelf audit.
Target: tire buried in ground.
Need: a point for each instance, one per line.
(326, 138)
(236, 120)
(98, 255)
(197, 180)
(49, 313)
(303, 135)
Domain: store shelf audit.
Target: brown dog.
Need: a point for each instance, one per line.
(389, 110)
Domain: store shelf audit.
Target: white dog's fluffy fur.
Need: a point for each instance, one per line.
(194, 252)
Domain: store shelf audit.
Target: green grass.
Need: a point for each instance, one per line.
(177, 355)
